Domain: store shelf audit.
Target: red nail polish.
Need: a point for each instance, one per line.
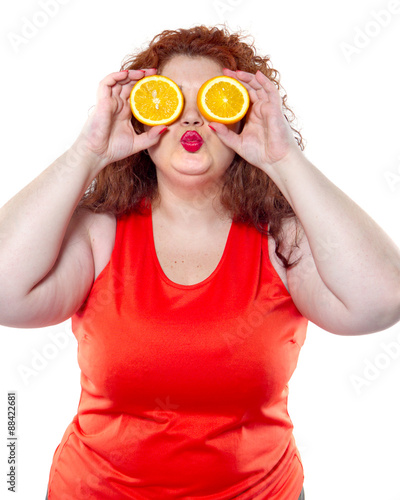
(163, 130)
(212, 128)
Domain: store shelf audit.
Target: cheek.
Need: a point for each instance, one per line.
(163, 150)
(156, 154)
(226, 155)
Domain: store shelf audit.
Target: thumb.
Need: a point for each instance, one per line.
(227, 136)
(151, 137)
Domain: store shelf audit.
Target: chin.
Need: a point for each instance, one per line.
(197, 176)
(192, 164)
(193, 170)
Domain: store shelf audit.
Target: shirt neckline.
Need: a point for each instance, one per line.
(160, 270)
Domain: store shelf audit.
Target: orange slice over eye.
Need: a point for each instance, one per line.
(156, 100)
(223, 99)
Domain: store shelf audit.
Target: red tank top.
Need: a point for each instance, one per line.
(184, 388)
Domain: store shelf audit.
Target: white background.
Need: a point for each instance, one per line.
(348, 107)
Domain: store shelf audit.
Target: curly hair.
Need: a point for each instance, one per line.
(248, 194)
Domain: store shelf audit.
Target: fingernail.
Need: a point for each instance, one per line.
(163, 130)
(212, 128)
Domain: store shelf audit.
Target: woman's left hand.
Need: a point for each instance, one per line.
(266, 137)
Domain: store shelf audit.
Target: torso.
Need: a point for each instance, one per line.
(183, 260)
(188, 255)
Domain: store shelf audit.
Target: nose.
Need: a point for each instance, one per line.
(191, 115)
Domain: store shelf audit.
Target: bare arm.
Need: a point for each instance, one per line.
(33, 225)
(46, 258)
(348, 279)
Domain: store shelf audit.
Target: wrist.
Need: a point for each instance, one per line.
(289, 171)
(79, 155)
(292, 158)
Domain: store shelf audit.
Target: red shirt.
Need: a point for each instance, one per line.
(184, 388)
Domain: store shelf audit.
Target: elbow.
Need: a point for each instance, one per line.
(385, 309)
(373, 317)
(394, 307)
(388, 310)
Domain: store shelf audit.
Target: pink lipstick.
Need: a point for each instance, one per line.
(191, 141)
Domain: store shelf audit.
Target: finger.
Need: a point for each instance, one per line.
(127, 87)
(259, 83)
(234, 74)
(249, 79)
(244, 80)
(267, 84)
(119, 78)
(151, 137)
(270, 88)
(150, 71)
(106, 85)
(227, 136)
(252, 81)
(260, 87)
(229, 72)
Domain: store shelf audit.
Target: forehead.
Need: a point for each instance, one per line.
(185, 70)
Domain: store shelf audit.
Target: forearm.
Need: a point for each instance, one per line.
(355, 258)
(33, 223)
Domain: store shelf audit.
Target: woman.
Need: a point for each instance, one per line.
(190, 278)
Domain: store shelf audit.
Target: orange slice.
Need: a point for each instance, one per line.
(156, 100)
(223, 99)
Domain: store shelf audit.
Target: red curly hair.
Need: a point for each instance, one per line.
(248, 194)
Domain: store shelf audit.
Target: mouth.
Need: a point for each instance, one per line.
(191, 141)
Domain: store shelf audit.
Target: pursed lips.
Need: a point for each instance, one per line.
(191, 141)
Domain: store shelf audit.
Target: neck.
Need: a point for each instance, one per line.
(190, 208)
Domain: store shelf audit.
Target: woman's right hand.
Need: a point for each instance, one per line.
(108, 134)
(47, 260)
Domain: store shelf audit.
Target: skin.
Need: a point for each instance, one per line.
(190, 227)
(177, 168)
(348, 278)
